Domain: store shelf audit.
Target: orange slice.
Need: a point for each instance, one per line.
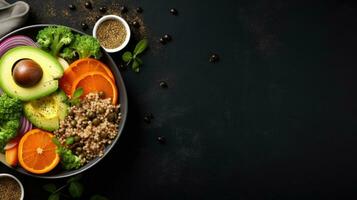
(80, 67)
(96, 82)
(37, 152)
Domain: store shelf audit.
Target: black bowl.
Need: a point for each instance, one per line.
(31, 31)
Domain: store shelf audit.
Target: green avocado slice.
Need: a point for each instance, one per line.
(52, 71)
(47, 112)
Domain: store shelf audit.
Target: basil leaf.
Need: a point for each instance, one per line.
(141, 46)
(127, 56)
(77, 93)
(98, 197)
(135, 66)
(75, 189)
(50, 187)
(70, 140)
(74, 178)
(139, 61)
(55, 196)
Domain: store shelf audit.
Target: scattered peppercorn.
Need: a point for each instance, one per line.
(163, 84)
(71, 7)
(98, 17)
(162, 41)
(88, 5)
(147, 120)
(123, 9)
(167, 37)
(149, 115)
(214, 58)
(112, 117)
(84, 26)
(103, 9)
(135, 24)
(101, 94)
(161, 139)
(139, 10)
(173, 11)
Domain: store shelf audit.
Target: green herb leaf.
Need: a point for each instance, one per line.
(135, 65)
(50, 187)
(74, 178)
(127, 56)
(56, 142)
(70, 140)
(75, 189)
(139, 61)
(78, 93)
(141, 46)
(98, 197)
(54, 196)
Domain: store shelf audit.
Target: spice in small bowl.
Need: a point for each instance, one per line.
(112, 32)
(10, 188)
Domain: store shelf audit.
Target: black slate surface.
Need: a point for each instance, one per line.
(274, 119)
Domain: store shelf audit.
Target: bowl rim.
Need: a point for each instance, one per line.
(17, 180)
(123, 107)
(127, 29)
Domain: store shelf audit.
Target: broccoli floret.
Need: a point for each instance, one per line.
(84, 46)
(8, 130)
(53, 38)
(10, 113)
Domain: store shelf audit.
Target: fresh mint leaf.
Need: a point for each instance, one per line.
(70, 140)
(75, 189)
(50, 187)
(140, 47)
(98, 197)
(54, 196)
(127, 56)
(139, 61)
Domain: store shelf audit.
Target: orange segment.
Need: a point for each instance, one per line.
(37, 152)
(80, 67)
(96, 82)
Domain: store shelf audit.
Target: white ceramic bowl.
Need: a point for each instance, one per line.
(17, 180)
(127, 29)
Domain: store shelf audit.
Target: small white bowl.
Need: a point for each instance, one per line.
(127, 29)
(17, 180)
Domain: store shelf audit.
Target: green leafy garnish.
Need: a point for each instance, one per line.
(75, 100)
(70, 140)
(68, 159)
(75, 189)
(133, 58)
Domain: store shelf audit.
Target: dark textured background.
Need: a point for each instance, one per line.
(274, 119)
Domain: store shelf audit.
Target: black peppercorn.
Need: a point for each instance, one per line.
(103, 9)
(139, 10)
(84, 26)
(161, 139)
(149, 115)
(88, 5)
(71, 7)
(173, 11)
(163, 84)
(135, 24)
(167, 37)
(147, 119)
(214, 58)
(123, 9)
(162, 41)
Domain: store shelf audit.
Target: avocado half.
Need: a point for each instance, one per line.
(47, 112)
(52, 71)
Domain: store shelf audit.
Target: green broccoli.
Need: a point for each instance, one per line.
(84, 46)
(68, 159)
(53, 38)
(10, 113)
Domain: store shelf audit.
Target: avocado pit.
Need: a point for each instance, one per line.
(27, 73)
